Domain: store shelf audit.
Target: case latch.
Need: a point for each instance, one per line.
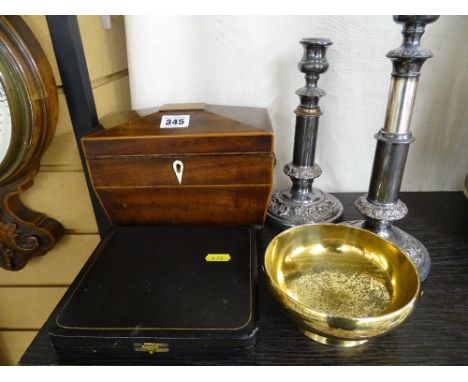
(152, 347)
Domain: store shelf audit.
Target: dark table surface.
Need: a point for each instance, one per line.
(436, 334)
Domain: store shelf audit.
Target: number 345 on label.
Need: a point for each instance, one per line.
(174, 121)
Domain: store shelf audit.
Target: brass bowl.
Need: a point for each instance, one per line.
(341, 285)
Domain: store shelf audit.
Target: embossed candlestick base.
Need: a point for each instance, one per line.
(314, 207)
(379, 219)
(301, 204)
(381, 206)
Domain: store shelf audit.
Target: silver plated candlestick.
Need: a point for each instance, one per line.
(381, 206)
(301, 204)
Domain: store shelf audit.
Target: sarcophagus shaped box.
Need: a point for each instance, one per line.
(186, 163)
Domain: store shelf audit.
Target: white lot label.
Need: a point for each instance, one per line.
(174, 121)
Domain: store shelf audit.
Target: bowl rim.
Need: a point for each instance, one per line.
(313, 312)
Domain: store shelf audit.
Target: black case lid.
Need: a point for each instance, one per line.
(159, 282)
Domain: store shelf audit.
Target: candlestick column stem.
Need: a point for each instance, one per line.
(381, 206)
(301, 203)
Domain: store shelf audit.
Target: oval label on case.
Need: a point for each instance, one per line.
(218, 257)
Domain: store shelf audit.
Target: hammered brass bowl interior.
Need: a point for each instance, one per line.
(341, 285)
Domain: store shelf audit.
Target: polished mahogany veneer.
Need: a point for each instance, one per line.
(227, 158)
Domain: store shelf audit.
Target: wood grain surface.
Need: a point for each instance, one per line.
(32, 95)
(216, 169)
(132, 173)
(217, 129)
(244, 204)
(434, 335)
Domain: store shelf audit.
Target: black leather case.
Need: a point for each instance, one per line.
(163, 289)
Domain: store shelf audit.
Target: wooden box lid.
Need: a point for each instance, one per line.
(212, 129)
